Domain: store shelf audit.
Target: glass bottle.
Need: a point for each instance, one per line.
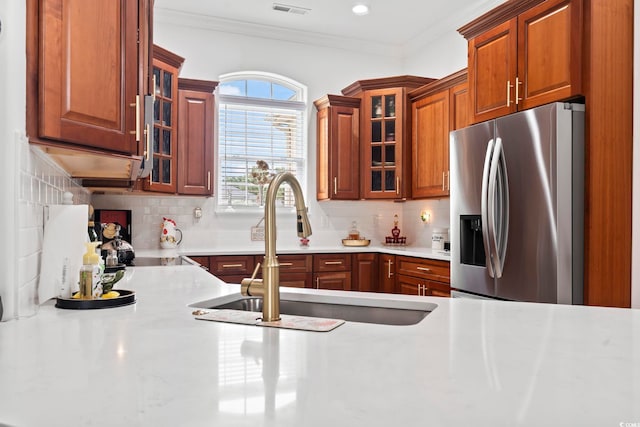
(354, 234)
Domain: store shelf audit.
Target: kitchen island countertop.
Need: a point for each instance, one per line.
(469, 362)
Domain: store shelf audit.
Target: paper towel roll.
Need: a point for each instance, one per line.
(65, 233)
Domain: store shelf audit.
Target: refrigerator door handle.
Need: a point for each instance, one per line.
(484, 207)
(498, 210)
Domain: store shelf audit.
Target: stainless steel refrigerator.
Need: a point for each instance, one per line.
(517, 206)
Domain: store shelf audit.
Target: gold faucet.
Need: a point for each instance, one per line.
(269, 286)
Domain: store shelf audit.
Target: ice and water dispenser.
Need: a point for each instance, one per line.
(471, 244)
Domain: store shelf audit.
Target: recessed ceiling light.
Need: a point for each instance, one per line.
(360, 9)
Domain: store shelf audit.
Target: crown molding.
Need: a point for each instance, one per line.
(176, 17)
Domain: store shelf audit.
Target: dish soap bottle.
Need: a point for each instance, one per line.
(90, 274)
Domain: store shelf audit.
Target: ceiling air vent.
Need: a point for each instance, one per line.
(297, 10)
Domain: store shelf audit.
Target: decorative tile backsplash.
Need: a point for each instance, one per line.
(41, 183)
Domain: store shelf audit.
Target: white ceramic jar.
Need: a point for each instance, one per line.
(438, 237)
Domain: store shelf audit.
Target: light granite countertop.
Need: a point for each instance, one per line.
(469, 362)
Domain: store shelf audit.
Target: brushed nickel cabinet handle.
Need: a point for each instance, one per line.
(209, 180)
(231, 265)
(389, 274)
(509, 86)
(286, 264)
(518, 83)
(335, 185)
(147, 131)
(333, 263)
(397, 185)
(423, 268)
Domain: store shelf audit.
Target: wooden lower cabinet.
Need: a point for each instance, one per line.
(296, 271)
(365, 272)
(387, 273)
(415, 286)
(232, 268)
(332, 271)
(419, 276)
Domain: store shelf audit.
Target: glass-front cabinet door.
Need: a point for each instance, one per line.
(382, 144)
(166, 67)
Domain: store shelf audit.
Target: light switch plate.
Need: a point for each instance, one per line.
(257, 234)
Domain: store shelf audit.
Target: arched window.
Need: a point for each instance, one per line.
(261, 131)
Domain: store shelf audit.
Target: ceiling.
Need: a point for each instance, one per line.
(397, 24)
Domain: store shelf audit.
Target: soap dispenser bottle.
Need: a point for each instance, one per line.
(90, 273)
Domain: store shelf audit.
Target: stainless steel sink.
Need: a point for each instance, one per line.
(349, 309)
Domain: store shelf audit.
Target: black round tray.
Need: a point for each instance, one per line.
(125, 298)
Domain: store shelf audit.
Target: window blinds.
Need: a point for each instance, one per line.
(252, 131)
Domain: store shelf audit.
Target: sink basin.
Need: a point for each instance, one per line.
(345, 308)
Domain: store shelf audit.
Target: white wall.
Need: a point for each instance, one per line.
(12, 101)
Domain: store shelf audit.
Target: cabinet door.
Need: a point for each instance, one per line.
(338, 148)
(549, 53)
(365, 272)
(492, 72)
(89, 73)
(430, 144)
(344, 163)
(381, 144)
(409, 285)
(459, 107)
(195, 148)
(296, 280)
(164, 154)
(336, 280)
(387, 273)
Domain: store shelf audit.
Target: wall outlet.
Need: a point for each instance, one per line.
(257, 234)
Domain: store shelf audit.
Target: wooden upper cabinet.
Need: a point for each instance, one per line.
(195, 136)
(550, 52)
(385, 135)
(533, 56)
(436, 109)
(492, 71)
(459, 106)
(164, 134)
(338, 148)
(430, 145)
(88, 73)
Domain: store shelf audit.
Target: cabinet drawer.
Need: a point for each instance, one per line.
(332, 262)
(423, 268)
(292, 263)
(410, 285)
(232, 264)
